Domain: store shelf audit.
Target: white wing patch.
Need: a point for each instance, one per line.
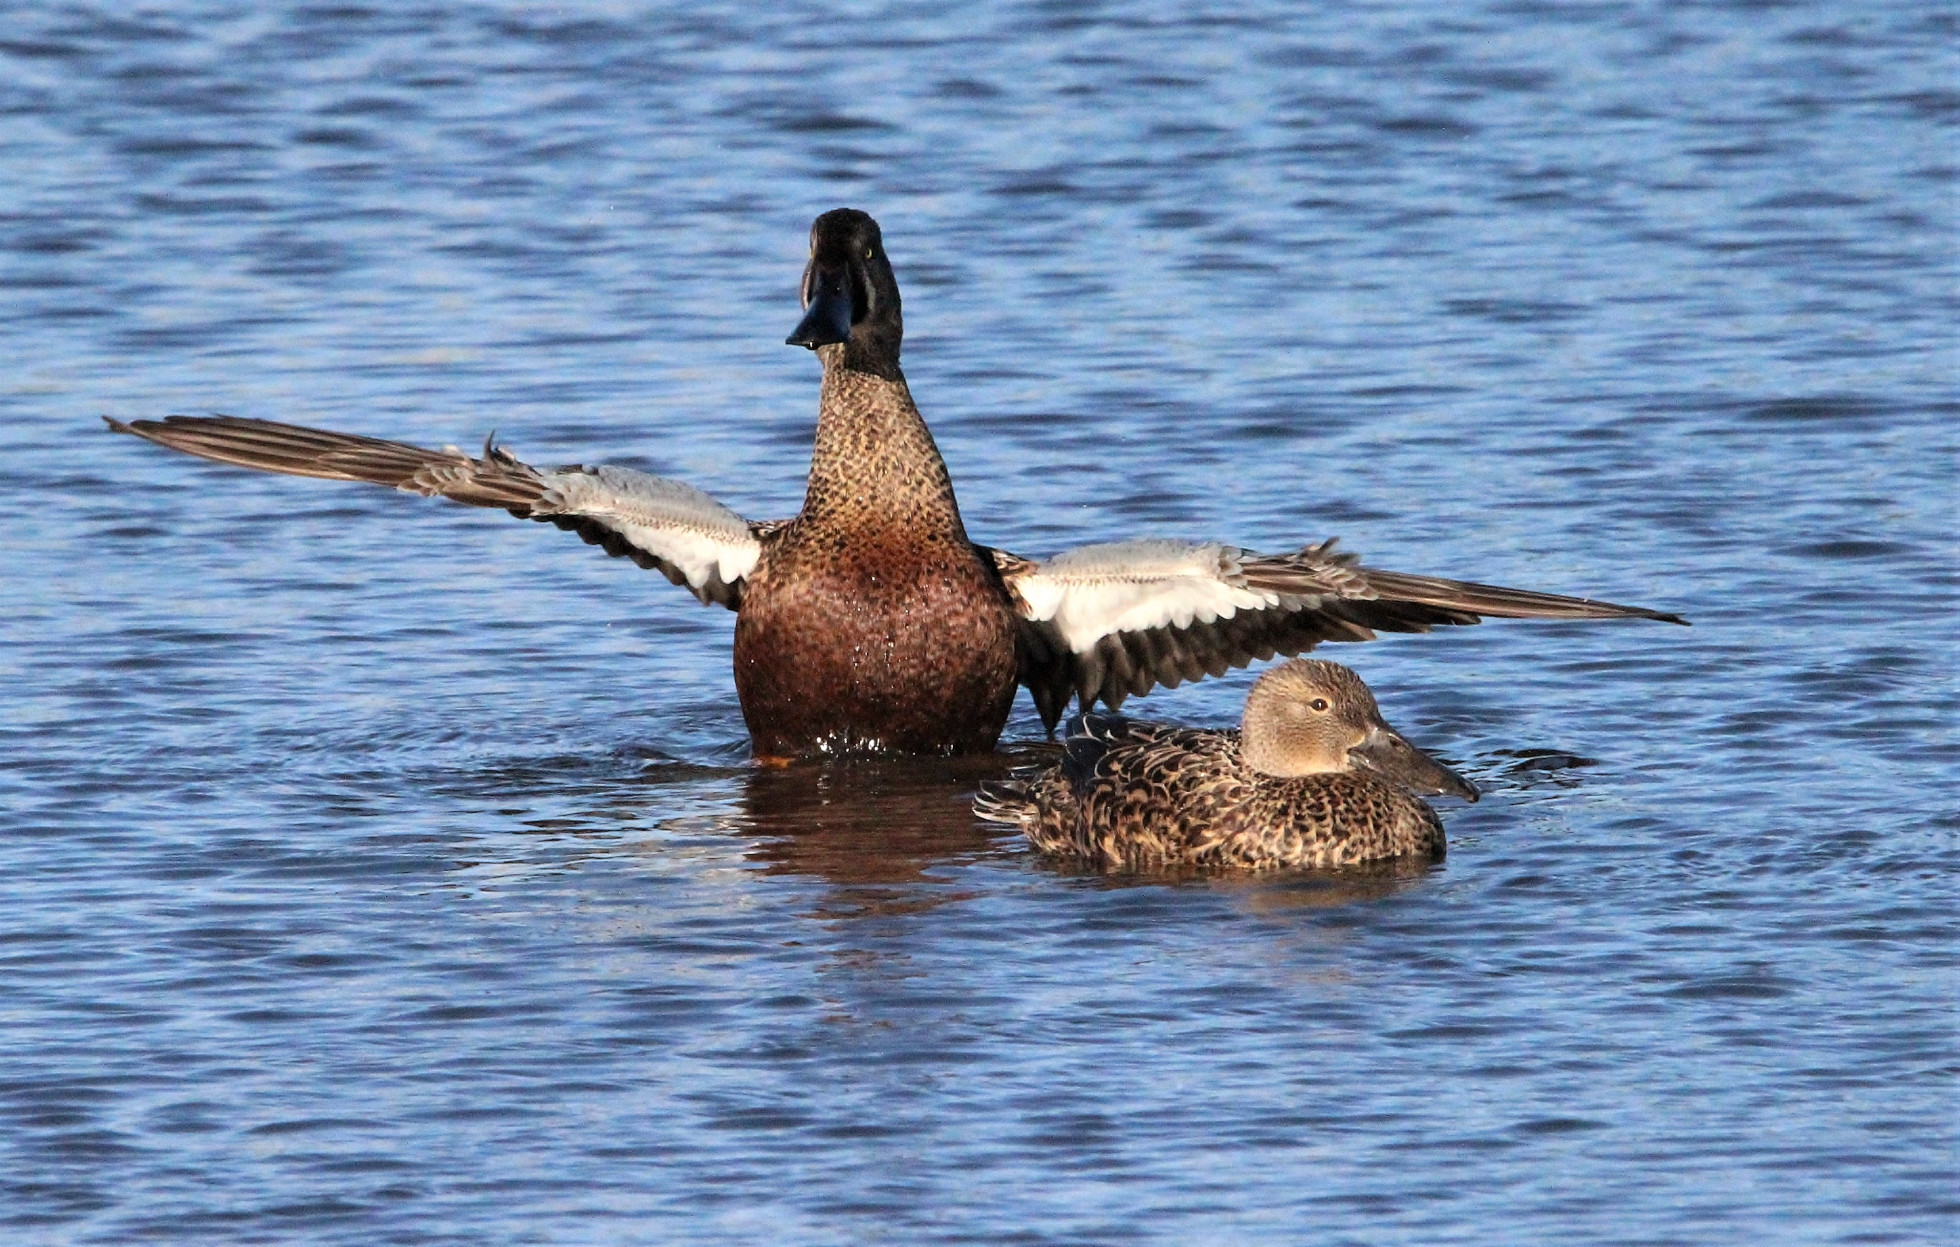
(667, 519)
(1130, 586)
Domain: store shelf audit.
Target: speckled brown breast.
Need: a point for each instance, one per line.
(873, 641)
(870, 623)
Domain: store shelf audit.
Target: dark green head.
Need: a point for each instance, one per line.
(849, 293)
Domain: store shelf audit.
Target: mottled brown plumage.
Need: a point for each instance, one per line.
(1314, 779)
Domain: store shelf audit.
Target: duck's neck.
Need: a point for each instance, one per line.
(875, 463)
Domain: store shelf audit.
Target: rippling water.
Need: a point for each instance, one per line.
(381, 871)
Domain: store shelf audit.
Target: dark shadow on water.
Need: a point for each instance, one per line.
(887, 834)
(888, 821)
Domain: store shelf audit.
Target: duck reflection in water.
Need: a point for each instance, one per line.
(893, 835)
(866, 823)
(889, 836)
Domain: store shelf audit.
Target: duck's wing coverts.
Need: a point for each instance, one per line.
(1106, 622)
(666, 525)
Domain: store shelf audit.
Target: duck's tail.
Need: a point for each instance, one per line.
(1009, 801)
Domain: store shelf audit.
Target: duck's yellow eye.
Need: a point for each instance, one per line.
(1318, 703)
(869, 252)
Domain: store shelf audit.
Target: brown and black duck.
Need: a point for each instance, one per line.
(1313, 778)
(870, 622)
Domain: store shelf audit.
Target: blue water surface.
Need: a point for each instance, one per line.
(374, 870)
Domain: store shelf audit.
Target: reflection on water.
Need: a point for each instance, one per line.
(860, 825)
(876, 829)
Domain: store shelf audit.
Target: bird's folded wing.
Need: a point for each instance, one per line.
(666, 525)
(1106, 622)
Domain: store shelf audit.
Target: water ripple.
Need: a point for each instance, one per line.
(378, 872)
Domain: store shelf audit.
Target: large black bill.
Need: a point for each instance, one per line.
(828, 318)
(1399, 762)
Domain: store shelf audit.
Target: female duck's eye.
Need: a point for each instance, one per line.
(869, 252)
(1318, 703)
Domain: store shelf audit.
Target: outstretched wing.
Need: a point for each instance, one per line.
(1106, 622)
(674, 528)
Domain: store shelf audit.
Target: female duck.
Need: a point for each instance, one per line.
(1314, 778)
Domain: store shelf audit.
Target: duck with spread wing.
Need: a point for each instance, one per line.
(871, 622)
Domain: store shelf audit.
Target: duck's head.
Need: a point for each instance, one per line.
(1308, 717)
(849, 292)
